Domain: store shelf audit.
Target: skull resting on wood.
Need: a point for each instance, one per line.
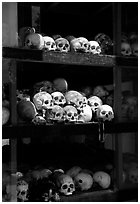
(34, 41)
(105, 113)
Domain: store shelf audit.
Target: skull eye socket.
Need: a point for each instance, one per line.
(23, 192)
(71, 185)
(60, 45)
(103, 112)
(80, 181)
(93, 47)
(48, 43)
(75, 114)
(46, 102)
(58, 114)
(27, 41)
(56, 98)
(95, 104)
(85, 45)
(69, 114)
(65, 186)
(66, 45)
(109, 113)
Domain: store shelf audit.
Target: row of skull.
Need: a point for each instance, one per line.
(71, 107)
(101, 43)
(57, 183)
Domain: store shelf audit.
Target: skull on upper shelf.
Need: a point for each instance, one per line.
(94, 47)
(58, 98)
(126, 49)
(62, 45)
(34, 41)
(105, 113)
(71, 113)
(80, 44)
(49, 43)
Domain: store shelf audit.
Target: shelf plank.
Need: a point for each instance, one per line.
(59, 130)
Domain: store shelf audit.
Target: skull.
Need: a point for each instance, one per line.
(105, 43)
(22, 190)
(94, 47)
(134, 48)
(43, 86)
(49, 43)
(133, 173)
(65, 184)
(105, 112)
(100, 91)
(58, 98)
(102, 178)
(42, 101)
(76, 99)
(39, 120)
(85, 114)
(125, 49)
(62, 45)
(71, 113)
(94, 102)
(34, 41)
(80, 44)
(73, 171)
(56, 113)
(83, 181)
(60, 84)
(23, 32)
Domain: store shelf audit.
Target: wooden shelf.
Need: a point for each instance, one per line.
(60, 130)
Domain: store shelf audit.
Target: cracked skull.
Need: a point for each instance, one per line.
(80, 44)
(56, 113)
(22, 190)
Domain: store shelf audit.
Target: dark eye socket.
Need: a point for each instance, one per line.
(80, 181)
(57, 114)
(56, 98)
(75, 114)
(109, 113)
(95, 104)
(48, 43)
(66, 45)
(93, 47)
(103, 112)
(85, 45)
(46, 102)
(69, 114)
(65, 186)
(71, 185)
(60, 45)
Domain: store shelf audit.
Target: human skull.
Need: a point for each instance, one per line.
(43, 86)
(39, 120)
(94, 47)
(58, 98)
(133, 172)
(49, 43)
(83, 181)
(125, 49)
(60, 84)
(56, 113)
(34, 41)
(100, 91)
(71, 113)
(85, 114)
(76, 99)
(105, 112)
(102, 178)
(134, 48)
(42, 101)
(80, 44)
(23, 32)
(65, 184)
(22, 190)
(62, 45)
(94, 102)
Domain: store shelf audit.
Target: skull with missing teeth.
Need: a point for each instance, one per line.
(62, 45)
(105, 113)
(126, 49)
